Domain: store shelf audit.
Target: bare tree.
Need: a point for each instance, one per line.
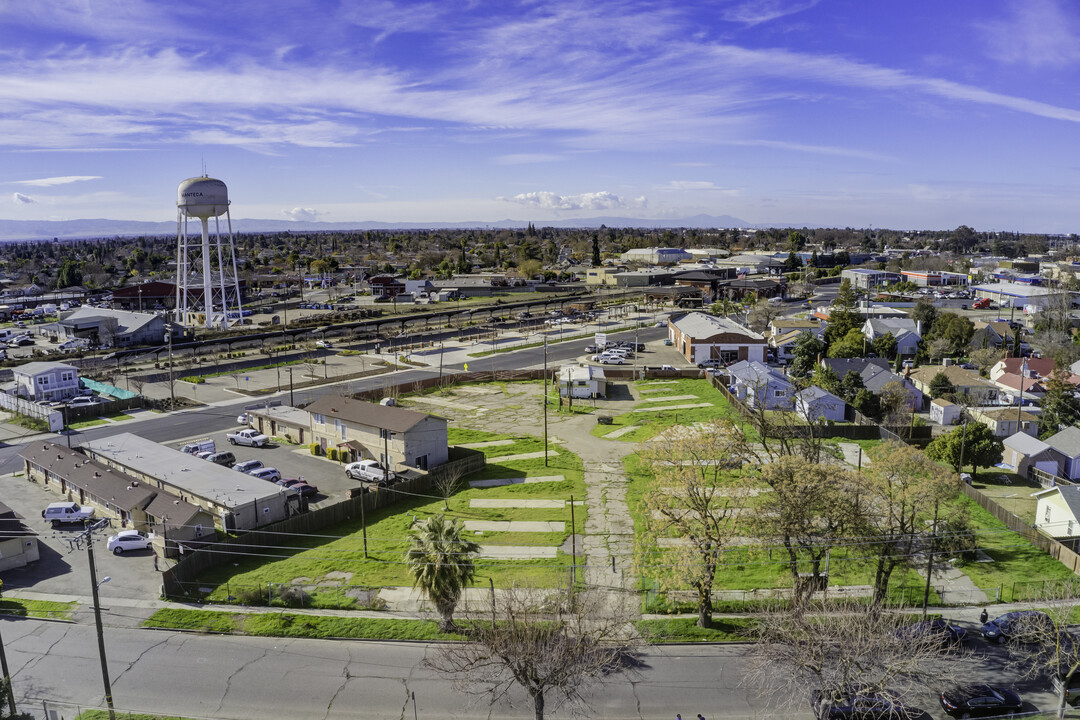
(137, 382)
(938, 348)
(447, 481)
(550, 644)
(809, 509)
(762, 314)
(695, 501)
(822, 652)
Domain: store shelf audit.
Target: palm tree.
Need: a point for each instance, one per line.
(441, 563)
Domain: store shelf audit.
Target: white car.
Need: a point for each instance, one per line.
(126, 540)
(366, 470)
(82, 401)
(324, 344)
(613, 360)
(266, 473)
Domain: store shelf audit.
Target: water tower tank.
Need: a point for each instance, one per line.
(202, 197)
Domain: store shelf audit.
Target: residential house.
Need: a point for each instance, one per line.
(1057, 511)
(783, 325)
(979, 389)
(18, 543)
(875, 374)
(1010, 385)
(391, 435)
(1021, 452)
(905, 330)
(114, 494)
(235, 500)
(760, 386)
(1002, 421)
(815, 403)
(759, 288)
(1066, 445)
(699, 337)
(582, 381)
(996, 334)
(708, 281)
(783, 346)
(46, 380)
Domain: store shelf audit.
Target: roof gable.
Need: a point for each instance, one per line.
(361, 412)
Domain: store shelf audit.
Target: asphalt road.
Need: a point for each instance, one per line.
(208, 420)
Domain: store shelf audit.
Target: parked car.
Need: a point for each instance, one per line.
(243, 419)
(860, 703)
(21, 340)
(199, 446)
(58, 513)
(249, 437)
(204, 454)
(941, 631)
(1071, 686)
(222, 458)
(324, 344)
(82, 401)
(247, 466)
(303, 487)
(126, 540)
(613, 360)
(980, 701)
(1020, 625)
(266, 473)
(368, 470)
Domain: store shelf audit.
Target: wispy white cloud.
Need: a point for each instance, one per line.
(1035, 33)
(302, 213)
(680, 185)
(526, 158)
(755, 12)
(815, 149)
(52, 181)
(20, 199)
(602, 200)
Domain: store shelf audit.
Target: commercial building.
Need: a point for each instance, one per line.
(113, 328)
(657, 256)
(868, 279)
(1029, 298)
(235, 500)
(369, 431)
(933, 278)
(700, 337)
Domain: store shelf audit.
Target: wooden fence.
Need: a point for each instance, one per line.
(193, 563)
(1051, 547)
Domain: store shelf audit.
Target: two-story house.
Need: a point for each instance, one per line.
(759, 386)
(46, 381)
(370, 431)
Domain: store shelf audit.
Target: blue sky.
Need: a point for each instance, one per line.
(916, 114)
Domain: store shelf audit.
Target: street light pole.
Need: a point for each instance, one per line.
(172, 383)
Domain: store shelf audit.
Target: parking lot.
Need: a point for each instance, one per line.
(292, 461)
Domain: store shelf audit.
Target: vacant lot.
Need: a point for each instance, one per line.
(660, 404)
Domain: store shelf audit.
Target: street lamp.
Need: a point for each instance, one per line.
(172, 383)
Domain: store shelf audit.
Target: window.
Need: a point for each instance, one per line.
(67, 376)
(318, 419)
(198, 531)
(43, 381)
(779, 393)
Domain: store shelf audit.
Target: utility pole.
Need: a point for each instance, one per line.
(546, 389)
(292, 402)
(930, 563)
(88, 536)
(172, 383)
(1020, 402)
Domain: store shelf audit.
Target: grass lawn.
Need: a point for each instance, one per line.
(87, 423)
(676, 630)
(295, 625)
(36, 608)
(653, 423)
(1015, 559)
(1010, 491)
(341, 549)
(119, 416)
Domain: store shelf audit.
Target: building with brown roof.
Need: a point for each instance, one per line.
(367, 430)
(115, 494)
(966, 382)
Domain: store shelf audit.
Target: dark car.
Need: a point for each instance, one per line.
(940, 631)
(980, 701)
(1021, 626)
(860, 704)
(226, 459)
(302, 487)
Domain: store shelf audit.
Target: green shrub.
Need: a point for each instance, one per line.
(315, 449)
(193, 379)
(332, 454)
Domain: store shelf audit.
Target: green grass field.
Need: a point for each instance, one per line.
(679, 630)
(36, 608)
(308, 560)
(297, 625)
(651, 424)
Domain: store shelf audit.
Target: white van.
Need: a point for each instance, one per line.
(66, 512)
(8, 333)
(206, 446)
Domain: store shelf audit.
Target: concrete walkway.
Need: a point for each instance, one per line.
(851, 454)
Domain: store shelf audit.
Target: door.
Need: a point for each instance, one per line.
(744, 352)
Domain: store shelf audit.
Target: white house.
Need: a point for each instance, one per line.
(944, 412)
(1057, 511)
(905, 330)
(700, 336)
(46, 381)
(815, 403)
(582, 381)
(758, 385)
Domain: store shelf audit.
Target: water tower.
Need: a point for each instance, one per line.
(201, 264)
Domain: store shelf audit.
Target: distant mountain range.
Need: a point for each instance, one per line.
(12, 230)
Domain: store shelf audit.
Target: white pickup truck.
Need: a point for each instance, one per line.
(249, 437)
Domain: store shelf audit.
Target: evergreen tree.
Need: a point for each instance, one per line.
(976, 443)
(441, 563)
